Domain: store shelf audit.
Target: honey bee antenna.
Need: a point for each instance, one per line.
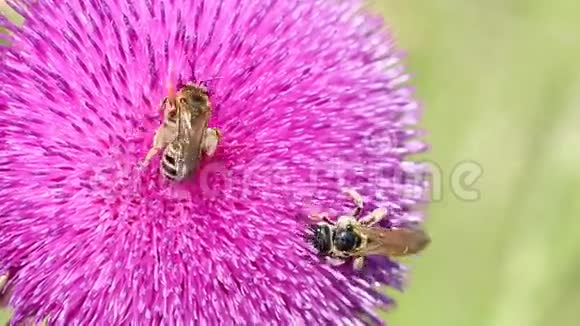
(205, 81)
(214, 78)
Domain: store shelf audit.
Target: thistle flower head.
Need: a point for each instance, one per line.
(309, 97)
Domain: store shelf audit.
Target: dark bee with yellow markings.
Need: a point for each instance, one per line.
(358, 238)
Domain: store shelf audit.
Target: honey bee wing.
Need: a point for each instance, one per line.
(190, 129)
(393, 242)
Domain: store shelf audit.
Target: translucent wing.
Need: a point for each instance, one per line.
(191, 125)
(393, 242)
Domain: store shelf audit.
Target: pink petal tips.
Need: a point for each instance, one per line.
(309, 97)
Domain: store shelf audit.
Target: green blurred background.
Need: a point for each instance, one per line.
(500, 81)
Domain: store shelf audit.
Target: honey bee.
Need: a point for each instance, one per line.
(358, 238)
(184, 134)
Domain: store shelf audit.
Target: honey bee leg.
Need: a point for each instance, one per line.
(358, 263)
(334, 261)
(374, 217)
(358, 201)
(160, 140)
(321, 217)
(211, 140)
(3, 280)
(5, 290)
(163, 104)
(344, 222)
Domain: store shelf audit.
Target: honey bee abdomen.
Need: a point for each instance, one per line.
(169, 159)
(169, 171)
(168, 166)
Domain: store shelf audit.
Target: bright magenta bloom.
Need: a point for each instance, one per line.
(309, 96)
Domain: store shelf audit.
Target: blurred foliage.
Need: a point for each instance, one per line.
(500, 83)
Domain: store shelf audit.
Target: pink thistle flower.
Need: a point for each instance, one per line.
(310, 96)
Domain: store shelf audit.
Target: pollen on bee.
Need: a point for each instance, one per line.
(169, 85)
(170, 88)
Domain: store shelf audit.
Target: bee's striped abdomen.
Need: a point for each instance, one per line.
(169, 165)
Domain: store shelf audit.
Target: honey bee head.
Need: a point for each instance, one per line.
(347, 239)
(193, 95)
(321, 238)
